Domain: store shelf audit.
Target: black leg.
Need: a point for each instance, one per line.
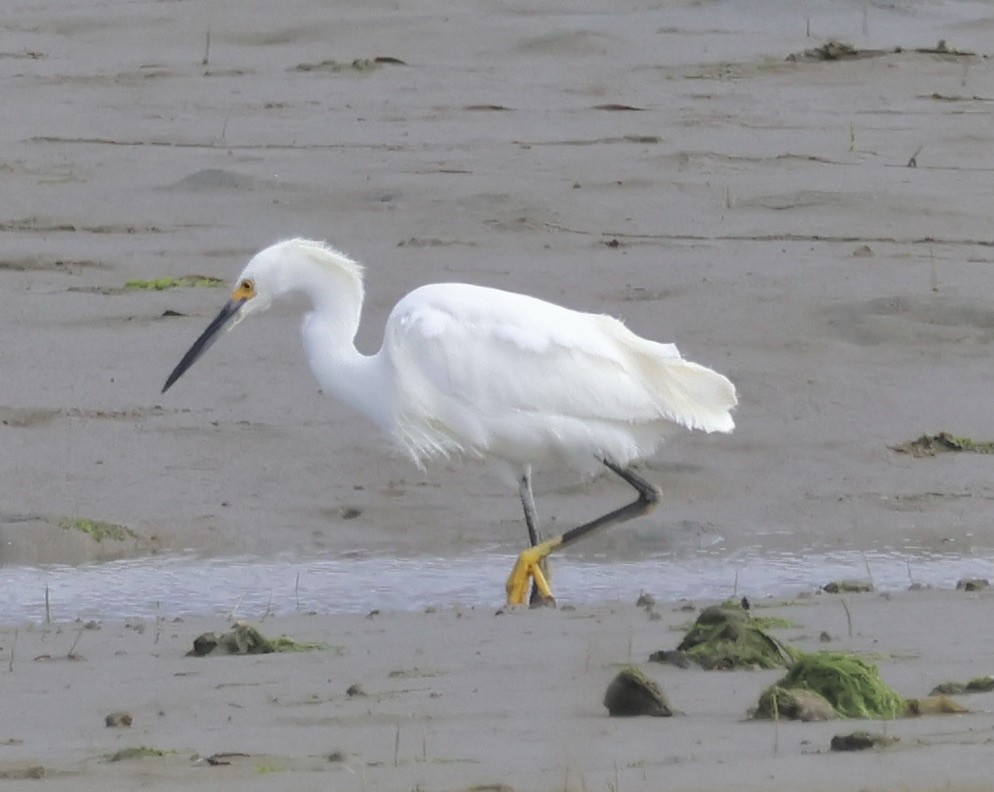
(530, 566)
(528, 504)
(649, 496)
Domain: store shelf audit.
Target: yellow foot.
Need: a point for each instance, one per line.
(528, 567)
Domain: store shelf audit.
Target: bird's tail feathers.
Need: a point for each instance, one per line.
(684, 393)
(695, 396)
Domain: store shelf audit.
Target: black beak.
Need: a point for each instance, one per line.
(207, 338)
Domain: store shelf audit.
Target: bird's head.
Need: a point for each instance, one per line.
(254, 291)
(287, 266)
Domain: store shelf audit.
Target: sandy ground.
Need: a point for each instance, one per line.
(459, 698)
(743, 195)
(666, 165)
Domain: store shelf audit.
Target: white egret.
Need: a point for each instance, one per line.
(482, 373)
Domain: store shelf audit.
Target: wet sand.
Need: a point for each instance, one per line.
(665, 165)
(466, 697)
(765, 217)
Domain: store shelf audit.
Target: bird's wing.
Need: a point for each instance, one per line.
(469, 358)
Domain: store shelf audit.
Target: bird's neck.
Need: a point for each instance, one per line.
(335, 294)
(328, 330)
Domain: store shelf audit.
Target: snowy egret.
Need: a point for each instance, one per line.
(482, 373)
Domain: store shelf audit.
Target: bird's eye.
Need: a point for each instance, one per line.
(247, 285)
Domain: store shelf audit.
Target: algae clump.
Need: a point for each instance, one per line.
(772, 622)
(850, 684)
(244, 639)
(287, 644)
(161, 284)
(726, 637)
(930, 445)
(97, 529)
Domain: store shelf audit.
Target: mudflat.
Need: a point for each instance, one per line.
(810, 218)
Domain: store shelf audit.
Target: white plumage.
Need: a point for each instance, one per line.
(479, 372)
(489, 373)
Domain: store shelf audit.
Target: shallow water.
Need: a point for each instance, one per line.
(249, 588)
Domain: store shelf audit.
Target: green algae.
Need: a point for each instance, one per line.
(244, 639)
(725, 637)
(161, 284)
(850, 684)
(97, 529)
(931, 444)
(287, 644)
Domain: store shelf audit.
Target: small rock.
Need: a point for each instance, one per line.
(117, 720)
(224, 759)
(242, 639)
(19, 773)
(632, 693)
(645, 600)
(935, 705)
(945, 688)
(978, 685)
(672, 656)
(204, 644)
(355, 690)
(848, 586)
(973, 584)
(861, 741)
(795, 704)
(825, 637)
